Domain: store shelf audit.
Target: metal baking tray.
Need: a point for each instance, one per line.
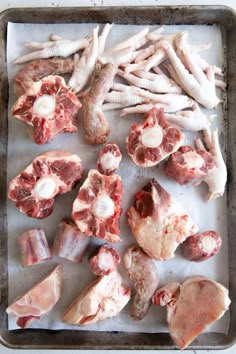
(171, 15)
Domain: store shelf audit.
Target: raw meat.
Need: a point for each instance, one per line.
(34, 247)
(51, 173)
(105, 297)
(105, 260)
(95, 124)
(188, 165)
(109, 159)
(39, 300)
(200, 302)
(142, 270)
(154, 140)
(166, 294)
(201, 247)
(50, 108)
(96, 209)
(69, 242)
(157, 222)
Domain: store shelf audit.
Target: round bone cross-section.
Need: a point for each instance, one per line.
(96, 209)
(188, 165)
(109, 159)
(53, 172)
(154, 140)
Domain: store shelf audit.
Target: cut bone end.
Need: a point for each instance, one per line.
(193, 159)
(109, 161)
(103, 207)
(208, 244)
(152, 137)
(44, 105)
(45, 188)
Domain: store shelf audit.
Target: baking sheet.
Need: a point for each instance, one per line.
(21, 151)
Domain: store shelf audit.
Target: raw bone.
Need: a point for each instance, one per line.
(49, 174)
(34, 247)
(142, 270)
(200, 302)
(165, 295)
(95, 124)
(39, 300)
(84, 65)
(189, 166)
(109, 159)
(152, 141)
(49, 107)
(216, 180)
(96, 209)
(104, 260)
(201, 247)
(69, 242)
(105, 297)
(38, 69)
(57, 47)
(157, 222)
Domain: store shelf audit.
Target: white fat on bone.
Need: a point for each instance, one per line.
(193, 159)
(46, 188)
(103, 207)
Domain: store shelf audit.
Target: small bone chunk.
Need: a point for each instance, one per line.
(109, 159)
(105, 260)
(165, 295)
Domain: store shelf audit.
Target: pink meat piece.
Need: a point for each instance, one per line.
(105, 297)
(154, 140)
(109, 159)
(157, 222)
(142, 270)
(96, 209)
(69, 242)
(51, 108)
(105, 260)
(39, 300)
(199, 303)
(34, 247)
(188, 165)
(201, 247)
(166, 294)
(49, 174)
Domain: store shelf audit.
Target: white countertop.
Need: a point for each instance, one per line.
(4, 4)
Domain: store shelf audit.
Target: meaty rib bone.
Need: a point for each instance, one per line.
(84, 65)
(49, 107)
(189, 166)
(201, 302)
(109, 159)
(142, 270)
(38, 69)
(49, 174)
(105, 297)
(201, 247)
(216, 179)
(95, 124)
(157, 222)
(96, 209)
(59, 47)
(34, 247)
(104, 260)
(69, 242)
(166, 294)
(199, 85)
(39, 300)
(152, 141)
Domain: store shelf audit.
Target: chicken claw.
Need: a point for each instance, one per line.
(216, 179)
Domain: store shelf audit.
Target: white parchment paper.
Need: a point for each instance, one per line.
(22, 150)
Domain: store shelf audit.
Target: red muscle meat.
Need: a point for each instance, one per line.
(109, 159)
(96, 209)
(105, 297)
(198, 303)
(69, 242)
(200, 247)
(157, 222)
(188, 165)
(50, 108)
(154, 140)
(51, 173)
(34, 247)
(105, 260)
(39, 300)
